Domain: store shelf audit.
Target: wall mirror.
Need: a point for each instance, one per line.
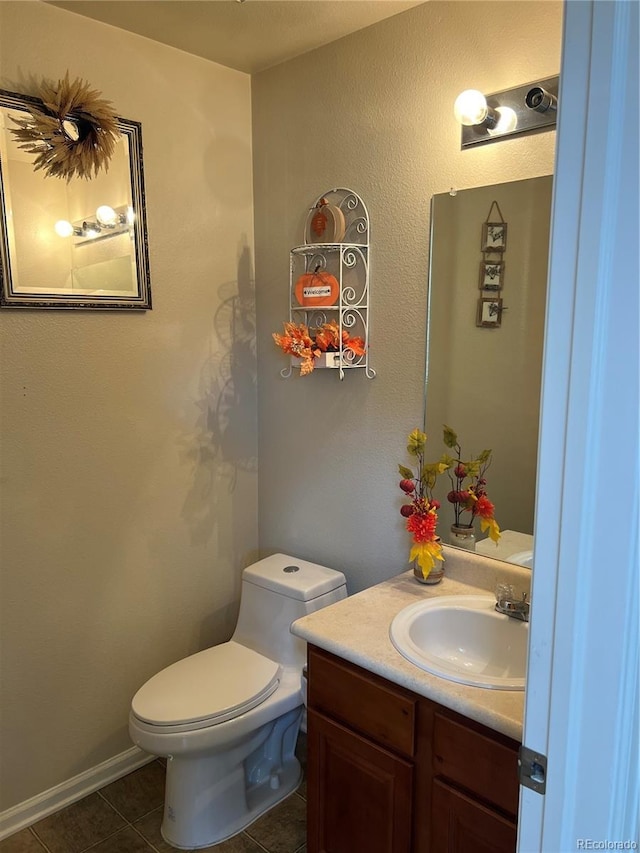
(76, 244)
(483, 378)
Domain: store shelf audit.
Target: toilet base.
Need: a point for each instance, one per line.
(209, 799)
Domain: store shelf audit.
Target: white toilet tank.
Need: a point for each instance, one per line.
(275, 592)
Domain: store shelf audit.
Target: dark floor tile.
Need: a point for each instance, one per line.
(238, 844)
(22, 842)
(125, 841)
(284, 828)
(149, 826)
(78, 826)
(138, 793)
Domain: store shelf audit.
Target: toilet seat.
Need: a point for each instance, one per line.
(206, 688)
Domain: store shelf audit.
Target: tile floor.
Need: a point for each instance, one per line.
(125, 817)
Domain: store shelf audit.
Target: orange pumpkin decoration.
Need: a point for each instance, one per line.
(317, 288)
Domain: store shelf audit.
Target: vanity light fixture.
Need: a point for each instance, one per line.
(512, 112)
(108, 222)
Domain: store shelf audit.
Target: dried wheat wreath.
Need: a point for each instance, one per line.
(74, 132)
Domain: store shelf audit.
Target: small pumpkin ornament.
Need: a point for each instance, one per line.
(317, 288)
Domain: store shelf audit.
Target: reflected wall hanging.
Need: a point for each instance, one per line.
(493, 246)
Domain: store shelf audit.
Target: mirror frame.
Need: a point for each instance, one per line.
(11, 298)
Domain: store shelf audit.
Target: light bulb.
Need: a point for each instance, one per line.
(106, 215)
(63, 228)
(130, 216)
(470, 107)
(507, 121)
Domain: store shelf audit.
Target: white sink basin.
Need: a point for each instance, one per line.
(462, 638)
(522, 558)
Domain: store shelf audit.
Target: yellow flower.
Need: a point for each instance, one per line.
(426, 554)
(491, 525)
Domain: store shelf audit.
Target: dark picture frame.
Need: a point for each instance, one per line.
(494, 236)
(132, 224)
(491, 275)
(489, 313)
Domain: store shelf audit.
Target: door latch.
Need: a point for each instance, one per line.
(532, 769)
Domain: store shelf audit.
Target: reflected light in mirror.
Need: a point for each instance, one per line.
(108, 223)
(63, 228)
(106, 215)
(90, 229)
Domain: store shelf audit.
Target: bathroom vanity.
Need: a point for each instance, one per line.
(399, 760)
(392, 771)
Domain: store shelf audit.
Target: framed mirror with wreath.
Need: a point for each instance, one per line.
(73, 228)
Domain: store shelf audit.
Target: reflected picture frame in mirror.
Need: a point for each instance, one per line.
(80, 244)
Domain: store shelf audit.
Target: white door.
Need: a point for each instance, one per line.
(582, 696)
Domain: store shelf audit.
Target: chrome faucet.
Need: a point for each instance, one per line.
(508, 604)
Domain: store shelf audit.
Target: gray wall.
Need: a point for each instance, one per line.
(129, 480)
(373, 112)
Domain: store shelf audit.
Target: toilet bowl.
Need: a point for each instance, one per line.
(227, 718)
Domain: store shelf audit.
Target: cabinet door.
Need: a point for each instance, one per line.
(461, 825)
(482, 763)
(358, 795)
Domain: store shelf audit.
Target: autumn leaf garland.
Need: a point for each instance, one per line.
(298, 342)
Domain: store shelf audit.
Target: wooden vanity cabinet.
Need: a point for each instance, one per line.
(393, 772)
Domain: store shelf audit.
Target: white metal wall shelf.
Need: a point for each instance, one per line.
(346, 258)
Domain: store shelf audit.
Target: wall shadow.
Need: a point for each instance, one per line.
(223, 443)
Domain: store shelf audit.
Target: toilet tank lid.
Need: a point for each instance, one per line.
(293, 577)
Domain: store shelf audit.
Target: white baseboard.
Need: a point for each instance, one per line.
(74, 789)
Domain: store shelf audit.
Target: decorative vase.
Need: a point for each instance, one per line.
(463, 537)
(435, 575)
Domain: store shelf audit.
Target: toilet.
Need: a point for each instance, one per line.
(227, 718)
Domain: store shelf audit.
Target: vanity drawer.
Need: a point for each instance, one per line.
(486, 765)
(368, 704)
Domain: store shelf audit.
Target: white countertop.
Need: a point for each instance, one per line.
(511, 542)
(357, 629)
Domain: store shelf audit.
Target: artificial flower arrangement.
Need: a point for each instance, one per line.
(298, 341)
(422, 511)
(469, 492)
